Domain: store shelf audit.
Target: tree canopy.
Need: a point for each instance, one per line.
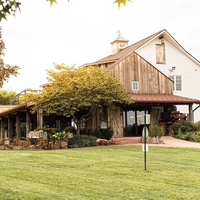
(9, 7)
(5, 97)
(6, 70)
(78, 92)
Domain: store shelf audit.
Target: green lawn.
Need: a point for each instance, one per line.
(107, 172)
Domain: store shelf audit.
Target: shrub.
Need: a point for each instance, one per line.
(195, 137)
(183, 127)
(99, 133)
(82, 141)
(197, 124)
(60, 135)
(106, 133)
(155, 131)
(94, 132)
(183, 136)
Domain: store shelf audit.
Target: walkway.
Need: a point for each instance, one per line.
(174, 142)
(167, 141)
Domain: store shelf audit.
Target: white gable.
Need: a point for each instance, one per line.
(185, 66)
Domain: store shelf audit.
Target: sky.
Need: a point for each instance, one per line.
(80, 32)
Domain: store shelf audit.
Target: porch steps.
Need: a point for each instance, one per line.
(127, 140)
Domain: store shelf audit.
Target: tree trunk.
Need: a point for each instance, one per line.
(78, 125)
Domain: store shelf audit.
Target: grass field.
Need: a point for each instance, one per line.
(108, 172)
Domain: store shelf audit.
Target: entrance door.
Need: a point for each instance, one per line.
(132, 122)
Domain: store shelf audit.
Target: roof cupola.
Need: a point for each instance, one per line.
(119, 43)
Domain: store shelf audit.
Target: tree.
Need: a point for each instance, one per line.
(5, 96)
(5, 70)
(78, 92)
(9, 7)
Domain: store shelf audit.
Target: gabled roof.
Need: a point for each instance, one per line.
(136, 46)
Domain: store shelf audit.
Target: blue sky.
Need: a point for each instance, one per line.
(80, 32)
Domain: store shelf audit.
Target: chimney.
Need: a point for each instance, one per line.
(119, 43)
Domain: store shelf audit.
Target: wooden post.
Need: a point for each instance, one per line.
(136, 122)
(191, 114)
(2, 128)
(18, 123)
(10, 129)
(28, 121)
(125, 118)
(39, 119)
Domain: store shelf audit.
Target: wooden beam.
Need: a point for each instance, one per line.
(28, 121)
(10, 129)
(18, 123)
(2, 128)
(191, 113)
(39, 119)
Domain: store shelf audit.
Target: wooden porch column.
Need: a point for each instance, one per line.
(191, 114)
(28, 121)
(2, 128)
(10, 128)
(39, 119)
(18, 123)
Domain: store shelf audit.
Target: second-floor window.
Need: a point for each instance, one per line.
(177, 82)
(135, 85)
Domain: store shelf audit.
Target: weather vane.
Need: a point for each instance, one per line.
(118, 32)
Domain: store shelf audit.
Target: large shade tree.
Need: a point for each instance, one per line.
(9, 7)
(78, 92)
(6, 70)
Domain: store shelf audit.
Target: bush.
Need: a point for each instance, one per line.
(106, 133)
(82, 141)
(197, 125)
(93, 132)
(183, 127)
(184, 136)
(195, 137)
(99, 133)
(60, 135)
(155, 131)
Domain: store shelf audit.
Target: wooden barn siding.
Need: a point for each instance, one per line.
(151, 81)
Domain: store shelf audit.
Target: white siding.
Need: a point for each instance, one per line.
(186, 67)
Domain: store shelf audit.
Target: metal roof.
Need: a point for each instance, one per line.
(162, 98)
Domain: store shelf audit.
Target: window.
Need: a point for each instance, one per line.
(135, 85)
(160, 53)
(177, 82)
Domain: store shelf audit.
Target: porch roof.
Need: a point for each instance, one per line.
(15, 109)
(162, 98)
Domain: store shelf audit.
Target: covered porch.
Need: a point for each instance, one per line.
(162, 109)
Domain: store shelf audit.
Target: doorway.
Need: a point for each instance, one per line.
(132, 122)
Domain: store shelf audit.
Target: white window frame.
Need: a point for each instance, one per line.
(177, 79)
(135, 85)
